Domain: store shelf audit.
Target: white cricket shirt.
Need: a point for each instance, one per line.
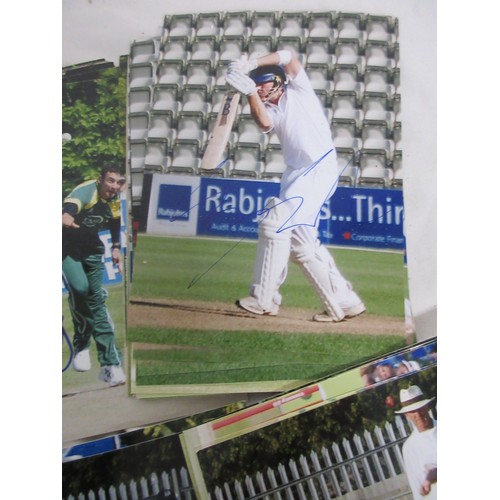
(300, 124)
(311, 176)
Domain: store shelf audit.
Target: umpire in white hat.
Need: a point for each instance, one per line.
(420, 449)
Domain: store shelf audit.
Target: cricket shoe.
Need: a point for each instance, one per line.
(350, 312)
(81, 361)
(112, 374)
(250, 304)
(356, 310)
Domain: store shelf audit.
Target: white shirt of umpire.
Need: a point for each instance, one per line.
(420, 455)
(306, 142)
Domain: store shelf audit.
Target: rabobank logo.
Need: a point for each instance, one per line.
(174, 202)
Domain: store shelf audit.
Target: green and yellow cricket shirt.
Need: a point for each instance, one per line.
(92, 214)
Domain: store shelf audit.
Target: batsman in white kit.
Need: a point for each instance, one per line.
(282, 99)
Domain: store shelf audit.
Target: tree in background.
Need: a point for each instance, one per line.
(310, 431)
(93, 112)
(154, 448)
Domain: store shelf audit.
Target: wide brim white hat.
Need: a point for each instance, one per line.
(412, 399)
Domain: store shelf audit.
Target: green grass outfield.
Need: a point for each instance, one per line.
(201, 269)
(221, 270)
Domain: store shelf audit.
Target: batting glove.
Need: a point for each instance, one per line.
(241, 82)
(243, 64)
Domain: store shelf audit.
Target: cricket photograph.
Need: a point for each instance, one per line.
(324, 439)
(246, 245)
(246, 280)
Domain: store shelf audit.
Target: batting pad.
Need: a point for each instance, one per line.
(319, 267)
(273, 252)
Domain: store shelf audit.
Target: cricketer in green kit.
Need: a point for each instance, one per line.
(92, 207)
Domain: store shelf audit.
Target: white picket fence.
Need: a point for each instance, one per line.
(369, 467)
(175, 483)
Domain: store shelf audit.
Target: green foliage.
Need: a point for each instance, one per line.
(93, 112)
(152, 449)
(309, 431)
(373, 403)
(279, 443)
(247, 454)
(113, 468)
(156, 431)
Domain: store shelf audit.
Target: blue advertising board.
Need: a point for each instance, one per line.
(173, 205)
(91, 448)
(231, 208)
(362, 217)
(356, 217)
(174, 202)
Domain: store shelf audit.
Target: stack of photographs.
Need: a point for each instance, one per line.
(341, 435)
(175, 385)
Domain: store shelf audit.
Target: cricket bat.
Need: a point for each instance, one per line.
(219, 136)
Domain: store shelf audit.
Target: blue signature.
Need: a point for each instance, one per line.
(300, 199)
(262, 214)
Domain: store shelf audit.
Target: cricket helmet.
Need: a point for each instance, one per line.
(272, 73)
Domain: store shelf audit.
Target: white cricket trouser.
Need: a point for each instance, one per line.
(290, 229)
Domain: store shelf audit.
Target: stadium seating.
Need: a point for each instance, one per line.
(377, 145)
(348, 173)
(320, 23)
(380, 28)
(397, 168)
(346, 160)
(204, 55)
(375, 176)
(176, 49)
(181, 25)
(136, 178)
(185, 165)
(396, 130)
(375, 170)
(176, 83)
(236, 23)
(319, 66)
(323, 89)
(259, 45)
(377, 124)
(162, 123)
(168, 90)
(264, 23)
(349, 113)
(170, 72)
(137, 152)
(144, 51)
(138, 125)
(208, 24)
(274, 164)
(244, 167)
(344, 128)
(185, 157)
(232, 47)
(156, 153)
(139, 99)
